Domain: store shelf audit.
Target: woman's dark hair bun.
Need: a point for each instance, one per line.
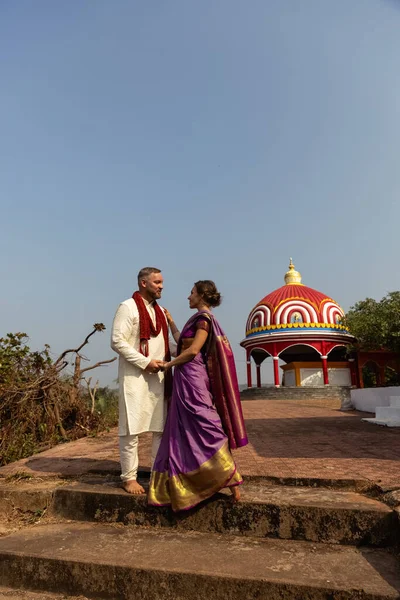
(208, 289)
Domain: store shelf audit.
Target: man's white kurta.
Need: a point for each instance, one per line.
(141, 394)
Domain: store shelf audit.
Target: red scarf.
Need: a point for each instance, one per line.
(147, 330)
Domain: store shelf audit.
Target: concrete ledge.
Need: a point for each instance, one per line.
(368, 399)
(341, 394)
(383, 422)
(137, 564)
(313, 514)
(25, 497)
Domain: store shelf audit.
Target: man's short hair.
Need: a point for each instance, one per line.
(145, 272)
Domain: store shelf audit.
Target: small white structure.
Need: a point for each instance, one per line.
(310, 374)
(368, 399)
(387, 415)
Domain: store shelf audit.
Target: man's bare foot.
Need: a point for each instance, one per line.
(133, 487)
(235, 491)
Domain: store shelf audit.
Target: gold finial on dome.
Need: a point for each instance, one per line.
(292, 276)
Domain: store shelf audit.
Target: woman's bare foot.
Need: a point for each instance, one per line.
(133, 487)
(235, 491)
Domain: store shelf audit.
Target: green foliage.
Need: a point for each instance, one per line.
(369, 376)
(17, 362)
(391, 377)
(41, 405)
(107, 404)
(376, 325)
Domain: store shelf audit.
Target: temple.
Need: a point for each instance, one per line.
(303, 328)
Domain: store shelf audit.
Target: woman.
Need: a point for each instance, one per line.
(205, 418)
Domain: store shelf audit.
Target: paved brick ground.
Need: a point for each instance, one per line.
(308, 440)
(288, 439)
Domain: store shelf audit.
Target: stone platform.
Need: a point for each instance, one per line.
(340, 395)
(123, 562)
(318, 518)
(306, 441)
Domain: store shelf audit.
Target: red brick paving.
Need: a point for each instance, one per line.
(288, 439)
(310, 440)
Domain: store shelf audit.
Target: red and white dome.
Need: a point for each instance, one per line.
(295, 323)
(295, 308)
(294, 304)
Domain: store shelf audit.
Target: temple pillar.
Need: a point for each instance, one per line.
(248, 363)
(325, 369)
(276, 371)
(360, 374)
(258, 372)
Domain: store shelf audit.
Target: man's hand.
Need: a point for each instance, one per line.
(153, 366)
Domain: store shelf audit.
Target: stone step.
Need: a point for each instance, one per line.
(136, 563)
(296, 393)
(386, 422)
(391, 413)
(286, 512)
(24, 497)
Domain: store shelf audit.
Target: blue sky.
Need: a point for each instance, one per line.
(211, 139)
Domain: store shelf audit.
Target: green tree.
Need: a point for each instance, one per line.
(376, 325)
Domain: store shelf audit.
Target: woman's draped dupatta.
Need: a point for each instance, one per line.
(225, 387)
(224, 383)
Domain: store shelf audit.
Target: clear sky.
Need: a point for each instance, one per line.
(213, 140)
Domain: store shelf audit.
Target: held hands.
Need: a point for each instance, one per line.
(156, 365)
(164, 366)
(153, 366)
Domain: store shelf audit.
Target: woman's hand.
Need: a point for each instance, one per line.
(163, 365)
(168, 316)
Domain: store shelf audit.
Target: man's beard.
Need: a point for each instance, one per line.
(155, 295)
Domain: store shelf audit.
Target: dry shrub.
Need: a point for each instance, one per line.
(41, 405)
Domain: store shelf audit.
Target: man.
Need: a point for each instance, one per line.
(140, 336)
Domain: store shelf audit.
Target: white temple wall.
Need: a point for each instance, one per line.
(339, 377)
(290, 378)
(311, 377)
(367, 399)
(315, 377)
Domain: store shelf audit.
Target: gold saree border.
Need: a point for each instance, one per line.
(185, 490)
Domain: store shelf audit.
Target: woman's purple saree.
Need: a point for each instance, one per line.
(204, 423)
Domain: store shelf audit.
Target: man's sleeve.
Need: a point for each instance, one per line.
(121, 330)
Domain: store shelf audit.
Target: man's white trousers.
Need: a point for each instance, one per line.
(128, 450)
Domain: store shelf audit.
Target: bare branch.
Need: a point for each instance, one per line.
(92, 392)
(96, 327)
(61, 366)
(82, 427)
(99, 364)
